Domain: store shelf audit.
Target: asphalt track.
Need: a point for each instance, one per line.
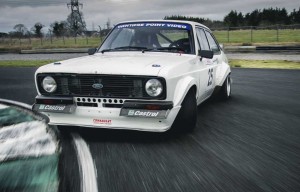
(249, 143)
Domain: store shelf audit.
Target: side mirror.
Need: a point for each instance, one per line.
(206, 54)
(92, 51)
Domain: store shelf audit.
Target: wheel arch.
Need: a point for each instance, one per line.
(224, 71)
(182, 88)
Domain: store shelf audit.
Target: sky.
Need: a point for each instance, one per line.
(98, 12)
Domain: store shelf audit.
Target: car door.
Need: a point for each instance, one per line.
(216, 61)
(207, 75)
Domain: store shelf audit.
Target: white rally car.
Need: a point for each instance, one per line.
(146, 75)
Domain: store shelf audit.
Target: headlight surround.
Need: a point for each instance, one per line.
(49, 84)
(154, 87)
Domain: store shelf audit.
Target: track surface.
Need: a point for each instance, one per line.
(249, 143)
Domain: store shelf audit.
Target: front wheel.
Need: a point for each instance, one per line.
(225, 92)
(187, 117)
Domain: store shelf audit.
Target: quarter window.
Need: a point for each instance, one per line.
(212, 43)
(202, 39)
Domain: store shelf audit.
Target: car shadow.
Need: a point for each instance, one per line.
(131, 136)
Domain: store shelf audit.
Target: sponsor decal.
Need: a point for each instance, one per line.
(131, 112)
(167, 25)
(102, 121)
(155, 65)
(145, 114)
(160, 114)
(42, 107)
(54, 108)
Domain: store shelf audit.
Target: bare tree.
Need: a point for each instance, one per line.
(37, 29)
(76, 24)
(59, 28)
(20, 29)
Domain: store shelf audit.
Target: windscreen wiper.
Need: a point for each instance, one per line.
(131, 48)
(125, 48)
(166, 49)
(171, 48)
(106, 50)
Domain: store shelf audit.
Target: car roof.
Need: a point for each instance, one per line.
(192, 23)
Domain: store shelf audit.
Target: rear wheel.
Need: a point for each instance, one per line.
(225, 91)
(187, 117)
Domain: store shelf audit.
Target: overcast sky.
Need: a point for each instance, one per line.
(97, 12)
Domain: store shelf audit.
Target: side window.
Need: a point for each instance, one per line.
(202, 39)
(212, 43)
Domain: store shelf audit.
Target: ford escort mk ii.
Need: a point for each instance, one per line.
(146, 75)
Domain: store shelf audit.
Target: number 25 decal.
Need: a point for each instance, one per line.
(210, 76)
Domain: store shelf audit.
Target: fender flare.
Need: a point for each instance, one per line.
(225, 71)
(182, 88)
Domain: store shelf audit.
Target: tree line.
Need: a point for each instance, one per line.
(58, 29)
(258, 17)
(270, 16)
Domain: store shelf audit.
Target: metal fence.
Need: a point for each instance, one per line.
(258, 34)
(242, 35)
(50, 42)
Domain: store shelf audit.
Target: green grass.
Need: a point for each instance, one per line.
(236, 37)
(24, 63)
(259, 36)
(266, 64)
(47, 43)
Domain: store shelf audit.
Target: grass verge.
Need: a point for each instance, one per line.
(24, 63)
(265, 64)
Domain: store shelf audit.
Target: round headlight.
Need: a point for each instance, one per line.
(153, 87)
(49, 84)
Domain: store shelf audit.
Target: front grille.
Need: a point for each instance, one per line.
(112, 86)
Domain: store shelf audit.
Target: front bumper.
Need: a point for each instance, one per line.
(156, 116)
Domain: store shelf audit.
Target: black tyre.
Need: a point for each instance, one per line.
(225, 91)
(187, 117)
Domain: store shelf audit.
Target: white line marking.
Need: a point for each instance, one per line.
(86, 165)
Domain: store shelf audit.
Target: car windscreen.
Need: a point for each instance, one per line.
(150, 36)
